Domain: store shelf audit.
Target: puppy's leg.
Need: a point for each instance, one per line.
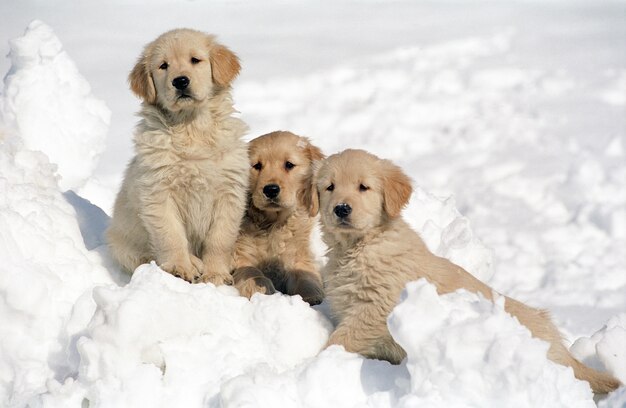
(126, 236)
(306, 284)
(250, 280)
(220, 240)
(126, 252)
(168, 239)
(371, 341)
(302, 278)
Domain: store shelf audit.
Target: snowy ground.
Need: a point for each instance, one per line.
(508, 116)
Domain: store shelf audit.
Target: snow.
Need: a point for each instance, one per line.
(509, 120)
(158, 335)
(42, 72)
(443, 364)
(605, 348)
(45, 274)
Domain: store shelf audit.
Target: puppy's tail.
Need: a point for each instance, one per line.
(541, 326)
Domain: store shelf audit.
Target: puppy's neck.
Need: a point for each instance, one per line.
(343, 242)
(212, 116)
(214, 109)
(268, 219)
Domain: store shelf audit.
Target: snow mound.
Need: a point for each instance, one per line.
(44, 272)
(50, 105)
(162, 342)
(450, 339)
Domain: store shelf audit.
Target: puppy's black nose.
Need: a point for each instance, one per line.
(342, 210)
(271, 190)
(181, 82)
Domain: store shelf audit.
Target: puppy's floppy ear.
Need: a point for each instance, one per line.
(308, 194)
(224, 65)
(141, 82)
(396, 189)
(314, 153)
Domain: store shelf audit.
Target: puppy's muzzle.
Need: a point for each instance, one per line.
(181, 83)
(271, 191)
(342, 210)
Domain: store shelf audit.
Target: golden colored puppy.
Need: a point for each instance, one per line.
(184, 192)
(373, 253)
(273, 250)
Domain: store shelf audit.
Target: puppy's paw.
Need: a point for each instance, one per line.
(184, 270)
(216, 279)
(313, 294)
(308, 286)
(254, 285)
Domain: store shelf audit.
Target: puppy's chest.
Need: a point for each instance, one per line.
(276, 242)
(195, 176)
(204, 171)
(348, 277)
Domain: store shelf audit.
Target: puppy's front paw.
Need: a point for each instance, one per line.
(184, 270)
(254, 285)
(313, 294)
(216, 279)
(308, 286)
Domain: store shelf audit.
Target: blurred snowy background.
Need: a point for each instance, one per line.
(509, 116)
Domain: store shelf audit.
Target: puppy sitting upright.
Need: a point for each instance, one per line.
(373, 253)
(273, 248)
(184, 192)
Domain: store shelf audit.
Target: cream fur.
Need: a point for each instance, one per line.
(273, 248)
(184, 192)
(374, 253)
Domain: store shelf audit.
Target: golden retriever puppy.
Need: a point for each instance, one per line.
(373, 253)
(184, 192)
(273, 248)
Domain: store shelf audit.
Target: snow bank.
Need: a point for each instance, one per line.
(162, 342)
(451, 338)
(45, 270)
(51, 106)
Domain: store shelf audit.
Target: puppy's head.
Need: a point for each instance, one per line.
(281, 172)
(181, 69)
(358, 191)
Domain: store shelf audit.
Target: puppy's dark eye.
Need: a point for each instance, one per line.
(194, 60)
(331, 187)
(363, 187)
(257, 166)
(164, 66)
(289, 165)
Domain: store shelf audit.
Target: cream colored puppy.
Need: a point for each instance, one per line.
(184, 192)
(373, 253)
(273, 250)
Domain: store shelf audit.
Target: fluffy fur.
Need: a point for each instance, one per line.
(374, 253)
(273, 248)
(184, 192)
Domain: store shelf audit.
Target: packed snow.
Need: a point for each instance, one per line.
(519, 177)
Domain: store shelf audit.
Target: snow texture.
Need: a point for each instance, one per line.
(546, 199)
